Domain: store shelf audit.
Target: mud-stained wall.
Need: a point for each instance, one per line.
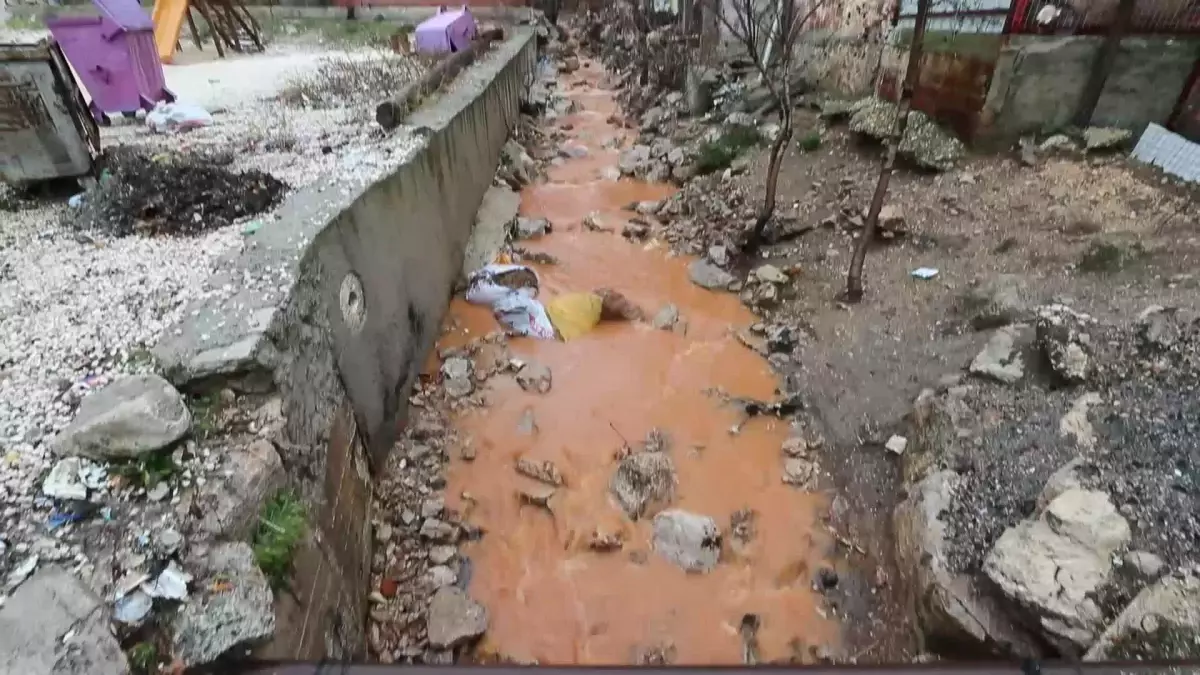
(1038, 82)
(841, 45)
(373, 287)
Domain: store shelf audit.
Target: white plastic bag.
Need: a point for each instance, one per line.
(486, 286)
(511, 292)
(523, 315)
(168, 117)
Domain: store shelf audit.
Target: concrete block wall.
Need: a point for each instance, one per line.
(369, 268)
(1038, 81)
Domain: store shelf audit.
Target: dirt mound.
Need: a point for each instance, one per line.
(171, 194)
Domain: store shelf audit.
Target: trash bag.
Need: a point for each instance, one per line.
(575, 314)
(492, 283)
(523, 315)
(169, 117)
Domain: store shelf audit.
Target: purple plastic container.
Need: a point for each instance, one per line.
(447, 31)
(114, 56)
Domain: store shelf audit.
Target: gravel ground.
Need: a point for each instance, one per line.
(78, 308)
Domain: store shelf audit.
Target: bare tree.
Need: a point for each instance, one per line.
(767, 30)
(912, 75)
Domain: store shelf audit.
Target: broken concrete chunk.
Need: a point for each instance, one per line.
(64, 481)
(54, 624)
(800, 473)
(896, 445)
(1106, 138)
(1052, 566)
(999, 359)
(689, 540)
(238, 612)
(644, 483)
(132, 416)
(924, 143)
(454, 618)
(707, 275)
(457, 375)
(666, 318)
(231, 502)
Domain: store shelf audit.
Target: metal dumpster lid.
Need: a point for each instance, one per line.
(127, 14)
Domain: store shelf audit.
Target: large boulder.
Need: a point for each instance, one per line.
(690, 540)
(924, 143)
(950, 607)
(130, 417)
(233, 607)
(1053, 565)
(55, 625)
(1162, 622)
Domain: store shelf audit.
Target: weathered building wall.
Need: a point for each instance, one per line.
(368, 265)
(841, 45)
(1038, 82)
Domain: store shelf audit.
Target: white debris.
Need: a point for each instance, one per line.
(171, 584)
(896, 445)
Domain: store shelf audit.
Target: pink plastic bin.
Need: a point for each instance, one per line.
(114, 56)
(447, 31)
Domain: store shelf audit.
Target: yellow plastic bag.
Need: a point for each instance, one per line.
(575, 314)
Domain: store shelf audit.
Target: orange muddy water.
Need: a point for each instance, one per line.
(550, 598)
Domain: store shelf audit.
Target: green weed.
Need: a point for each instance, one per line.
(810, 142)
(1107, 258)
(206, 414)
(717, 155)
(146, 471)
(143, 658)
(281, 525)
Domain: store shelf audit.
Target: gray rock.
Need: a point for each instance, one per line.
(634, 160)
(676, 157)
(689, 540)
(441, 575)
(647, 208)
(834, 110)
(440, 555)
(1158, 328)
(515, 157)
(532, 228)
(457, 375)
(1106, 138)
(740, 119)
(996, 302)
(130, 417)
(1068, 477)
(644, 483)
(1148, 565)
(999, 359)
(231, 502)
(707, 275)
(924, 143)
(433, 507)
(1063, 338)
(437, 530)
(454, 618)
(1053, 565)
(800, 472)
(666, 318)
(950, 607)
(770, 274)
(240, 614)
(719, 255)
(50, 606)
(535, 377)
(1057, 142)
(1162, 622)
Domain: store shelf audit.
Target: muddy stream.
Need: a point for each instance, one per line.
(551, 598)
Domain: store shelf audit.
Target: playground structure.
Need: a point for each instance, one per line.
(230, 25)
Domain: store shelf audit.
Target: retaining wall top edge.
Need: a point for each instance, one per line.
(223, 334)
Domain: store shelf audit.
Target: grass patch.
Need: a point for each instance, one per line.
(206, 414)
(810, 142)
(717, 155)
(1107, 258)
(280, 526)
(353, 79)
(146, 471)
(143, 658)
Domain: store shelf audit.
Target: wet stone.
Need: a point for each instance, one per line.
(544, 471)
(666, 318)
(441, 575)
(689, 540)
(454, 618)
(457, 373)
(535, 377)
(643, 483)
(440, 555)
(707, 275)
(438, 530)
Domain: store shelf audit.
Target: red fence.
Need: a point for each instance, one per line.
(1095, 17)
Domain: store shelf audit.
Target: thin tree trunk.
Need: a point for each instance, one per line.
(912, 74)
(767, 210)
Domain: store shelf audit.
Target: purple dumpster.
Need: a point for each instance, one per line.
(114, 56)
(446, 31)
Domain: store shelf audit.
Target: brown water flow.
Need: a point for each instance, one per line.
(553, 600)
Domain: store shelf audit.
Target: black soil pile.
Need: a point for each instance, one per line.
(171, 195)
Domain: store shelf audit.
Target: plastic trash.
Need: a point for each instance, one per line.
(925, 272)
(173, 117)
(523, 315)
(575, 314)
(171, 584)
(76, 201)
(511, 290)
(132, 608)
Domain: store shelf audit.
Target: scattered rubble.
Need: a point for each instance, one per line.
(237, 612)
(644, 483)
(924, 143)
(454, 619)
(691, 541)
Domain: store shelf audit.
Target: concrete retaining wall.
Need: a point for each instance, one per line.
(1038, 82)
(365, 268)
